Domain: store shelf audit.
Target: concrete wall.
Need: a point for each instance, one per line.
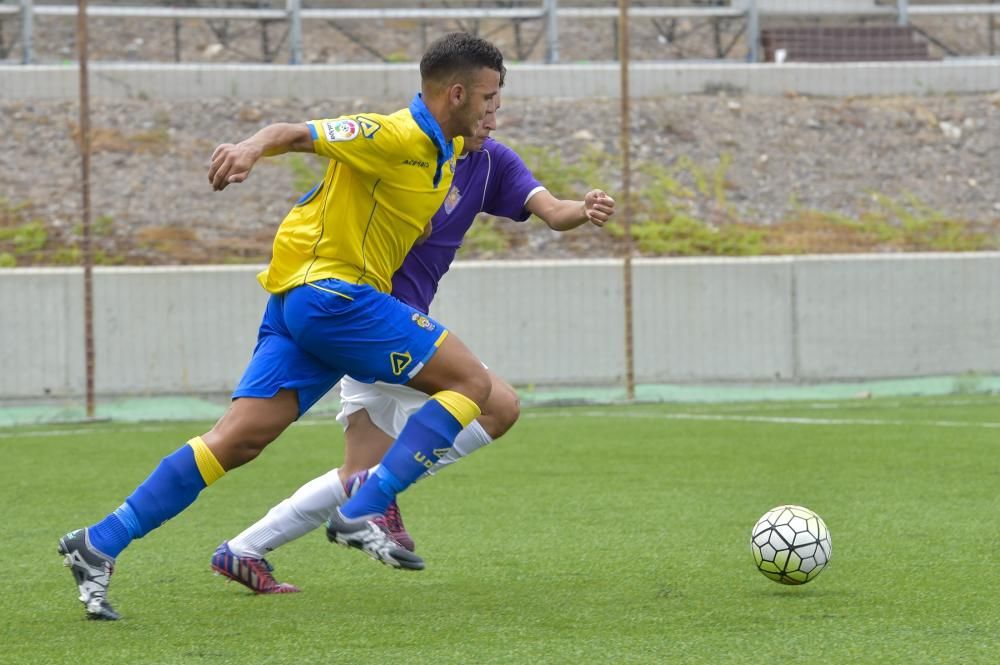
(395, 81)
(904, 316)
(157, 330)
(714, 319)
(170, 330)
(546, 320)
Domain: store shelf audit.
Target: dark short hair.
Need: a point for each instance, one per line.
(459, 54)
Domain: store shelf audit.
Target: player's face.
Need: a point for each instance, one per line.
(483, 95)
(475, 142)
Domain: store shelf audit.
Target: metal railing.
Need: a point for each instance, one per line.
(548, 10)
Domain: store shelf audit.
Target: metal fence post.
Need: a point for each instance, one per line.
(27, 16)
(903, 12)
(552, 31)
(753, 32)
(624, 59)
(83, 47)
(295, 30)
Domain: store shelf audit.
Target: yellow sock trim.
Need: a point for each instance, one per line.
(208, 466)
(463, 409)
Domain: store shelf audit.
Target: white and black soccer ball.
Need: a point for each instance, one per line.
(790, 544)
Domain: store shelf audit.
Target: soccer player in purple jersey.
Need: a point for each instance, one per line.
(491, 178)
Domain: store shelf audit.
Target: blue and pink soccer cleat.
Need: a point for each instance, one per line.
(254, 574)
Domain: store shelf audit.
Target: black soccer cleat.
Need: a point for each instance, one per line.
(363, 534)
(92, 571)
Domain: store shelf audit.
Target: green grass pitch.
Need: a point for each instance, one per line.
(605, 534)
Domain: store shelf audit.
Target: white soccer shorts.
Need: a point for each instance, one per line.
(388, 405)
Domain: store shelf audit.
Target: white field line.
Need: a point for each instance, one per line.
(773, 420)
(570, 413)
(846, 404)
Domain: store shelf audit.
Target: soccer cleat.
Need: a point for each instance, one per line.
(365, 535)
(354, 482)
(392, 521)
(92, 571)
(254, 574)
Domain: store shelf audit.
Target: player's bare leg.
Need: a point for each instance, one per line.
(364, 444)
(454, 367)
(249, 425)
(502, 409)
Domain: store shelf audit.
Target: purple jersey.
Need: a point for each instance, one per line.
(492, 180)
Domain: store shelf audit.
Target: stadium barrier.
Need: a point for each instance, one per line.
(396, 81)
(292, 14)
(171, 330)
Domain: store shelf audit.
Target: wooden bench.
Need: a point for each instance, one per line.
(844, 44)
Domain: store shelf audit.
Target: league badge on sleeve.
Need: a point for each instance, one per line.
(342, 129)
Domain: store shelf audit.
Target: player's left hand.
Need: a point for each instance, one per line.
(598, 206)
(231, 163)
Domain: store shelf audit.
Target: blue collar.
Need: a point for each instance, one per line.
(432, 129)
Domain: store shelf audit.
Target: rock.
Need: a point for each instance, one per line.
(951, 132)
(250, 114)
(926, 116)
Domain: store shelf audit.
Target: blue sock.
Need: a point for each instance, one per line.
(172, 487)
(427, 435)
(110, 535)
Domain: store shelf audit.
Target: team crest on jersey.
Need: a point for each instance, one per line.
(423, 321)
(400, 361)
(451, 201)
(343, 129)
(368, 126)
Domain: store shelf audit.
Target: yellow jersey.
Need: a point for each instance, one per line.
(387, 177)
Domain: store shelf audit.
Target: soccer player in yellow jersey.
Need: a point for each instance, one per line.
(330, 312)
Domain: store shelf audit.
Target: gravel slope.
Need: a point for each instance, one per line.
(150, 161)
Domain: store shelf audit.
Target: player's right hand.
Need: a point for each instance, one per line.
(598, 206)
(231, 163)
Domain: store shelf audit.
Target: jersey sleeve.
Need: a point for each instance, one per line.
(513, 185)
(365, 142)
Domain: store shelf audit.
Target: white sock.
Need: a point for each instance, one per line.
(468, 441)
(310, 506)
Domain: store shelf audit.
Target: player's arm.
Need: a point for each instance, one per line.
(231, 163)
(563, 215)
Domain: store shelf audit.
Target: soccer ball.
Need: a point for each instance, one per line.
(790, 544)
